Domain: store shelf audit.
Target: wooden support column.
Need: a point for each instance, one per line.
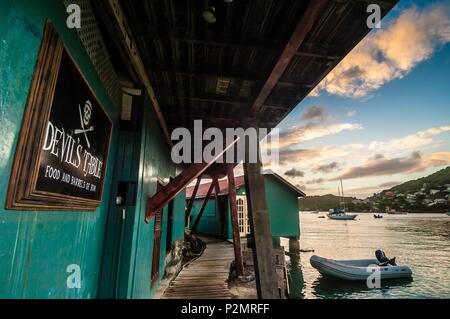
(202, 209)
(266, 278)
(192, 200)
(235, 221)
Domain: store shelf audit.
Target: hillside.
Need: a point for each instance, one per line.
(329, 201)
(439, 178)
(380, 201)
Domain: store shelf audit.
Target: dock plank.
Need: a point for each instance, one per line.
(205, 277)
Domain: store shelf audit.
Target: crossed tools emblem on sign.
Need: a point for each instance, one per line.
(84, 121)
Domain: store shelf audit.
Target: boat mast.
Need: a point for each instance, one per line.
(339, 196)
(342, 190)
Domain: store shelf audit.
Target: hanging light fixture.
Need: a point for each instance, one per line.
(209, 14)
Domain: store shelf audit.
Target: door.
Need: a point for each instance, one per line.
(118, 243)
(244, 223)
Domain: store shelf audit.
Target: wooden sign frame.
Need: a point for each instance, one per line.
(22, 192)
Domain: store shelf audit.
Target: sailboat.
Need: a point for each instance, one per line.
(340, 214)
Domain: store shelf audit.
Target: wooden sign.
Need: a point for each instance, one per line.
(61, 155)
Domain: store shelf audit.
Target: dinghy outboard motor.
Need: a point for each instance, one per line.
(383, 260)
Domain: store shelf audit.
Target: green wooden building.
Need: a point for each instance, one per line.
(111, 248)
(106, 82)
(282, 202)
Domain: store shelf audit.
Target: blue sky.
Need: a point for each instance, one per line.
(386, 123)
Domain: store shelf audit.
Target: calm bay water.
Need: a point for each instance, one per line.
(421, 241)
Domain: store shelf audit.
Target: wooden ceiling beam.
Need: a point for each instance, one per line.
(383, 4)
(193, 96)
(273, 49)
(206, 70)
(312, 13)
(210, 38)
(207, 121)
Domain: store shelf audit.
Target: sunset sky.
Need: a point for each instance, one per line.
(382, 116)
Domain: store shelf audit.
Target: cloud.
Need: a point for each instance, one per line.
(378, 156)
(314, 113)
(299, 155)
(377, 167)
(327, 168)
(351, 113)
(409, 142)
(293, 172)
(383, 166)
(390, 53)
(437, 159)
(311, 131)
(388, 184)
(316, 181)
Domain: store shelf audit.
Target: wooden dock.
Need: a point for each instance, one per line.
(205, 277)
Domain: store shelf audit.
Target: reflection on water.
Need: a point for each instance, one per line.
(421, 241)
(296, 281)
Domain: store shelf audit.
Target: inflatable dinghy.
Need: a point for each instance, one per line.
(358, 269)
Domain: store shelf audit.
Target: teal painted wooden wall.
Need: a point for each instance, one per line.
(210, 222)
(154, 164)
(37, 246)
(283, 211)
(283, 208)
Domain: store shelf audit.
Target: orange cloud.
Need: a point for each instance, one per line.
(383, 166)
(313, 131)
(390, 53)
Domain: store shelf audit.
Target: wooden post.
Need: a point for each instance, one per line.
(192, 200)
(266, 278)
(294, 245)
(202, 209)
(235, 221)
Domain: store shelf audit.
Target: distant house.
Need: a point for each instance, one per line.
(282, 201)
(389, 194)
(434, 191)
(419, 194)
(411, 199)
(440, 201)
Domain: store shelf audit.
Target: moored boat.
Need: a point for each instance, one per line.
(448, 213)
(395, 212)
(357, 269)
(340, 214)
(336, 214)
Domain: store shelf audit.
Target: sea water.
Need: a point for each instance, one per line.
(421, 241)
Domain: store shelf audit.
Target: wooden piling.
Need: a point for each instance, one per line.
(235, 221)
(266, 278)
